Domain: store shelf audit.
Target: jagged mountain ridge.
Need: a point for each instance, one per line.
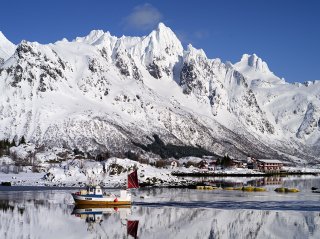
(6, 48)
(101, 93)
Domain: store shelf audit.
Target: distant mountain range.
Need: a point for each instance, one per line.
(101, 93)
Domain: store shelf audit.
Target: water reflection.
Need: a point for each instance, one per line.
(303, 180)
(240, 181)
(166, 213)
(94, 215)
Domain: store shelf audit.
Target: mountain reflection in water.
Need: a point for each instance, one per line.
(95, 214)
(165, 213)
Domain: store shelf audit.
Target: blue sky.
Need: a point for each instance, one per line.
(284, 33)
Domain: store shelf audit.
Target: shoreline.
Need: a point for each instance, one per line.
(144, 185)
(198, 174)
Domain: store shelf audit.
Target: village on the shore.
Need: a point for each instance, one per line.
(260, 165)
(208, 165)
(24, 165)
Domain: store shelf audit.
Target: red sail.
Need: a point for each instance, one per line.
(132, 228)
(133, 180)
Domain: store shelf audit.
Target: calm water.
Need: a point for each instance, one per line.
(166, 213)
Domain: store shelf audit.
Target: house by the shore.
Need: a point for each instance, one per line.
(237, 164)
(174, 164)
(269, 165)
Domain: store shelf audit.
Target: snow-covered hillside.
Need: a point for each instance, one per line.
(6, 48)
(101, 93)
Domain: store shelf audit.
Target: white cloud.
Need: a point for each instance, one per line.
(184, 37)
(143, 17)
(192, 37)
(200, 34)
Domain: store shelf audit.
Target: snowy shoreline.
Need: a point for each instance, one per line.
(60, 177)
(222, 174)
(46, 168)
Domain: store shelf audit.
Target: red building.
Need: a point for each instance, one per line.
(269, 165)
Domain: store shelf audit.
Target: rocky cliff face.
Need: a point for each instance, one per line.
(102, 93)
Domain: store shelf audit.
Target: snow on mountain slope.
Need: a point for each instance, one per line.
(102, 93)
(293, 107)
(253, 67)
(224, 88)
(6, 48)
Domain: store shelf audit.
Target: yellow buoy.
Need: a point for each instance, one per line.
(208, 187)
(287, 190)
(260, 189)
(248, 189)
(228, 188)
(280, 190)
(292, 190)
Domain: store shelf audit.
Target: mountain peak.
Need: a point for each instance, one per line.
(161, 43)
(93, 37)
(163, 29)
(193, 49)
(254, 62)
(6, 47)
(253, 67)
(1, 35)
(162, 26)
(192, 52)
(163, 32)
(4, 40)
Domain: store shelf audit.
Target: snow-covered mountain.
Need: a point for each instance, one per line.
(6, 48)
(104, 93)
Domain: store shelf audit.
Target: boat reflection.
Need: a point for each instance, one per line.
(132, 228)
(95, 214)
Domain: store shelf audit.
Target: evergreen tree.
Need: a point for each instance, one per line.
(226, 161)
(12, 144)
(4, 147)
(22, 141)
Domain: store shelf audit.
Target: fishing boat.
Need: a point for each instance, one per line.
(94, 195)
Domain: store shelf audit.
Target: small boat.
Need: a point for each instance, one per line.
(315, 190)
(93, 195)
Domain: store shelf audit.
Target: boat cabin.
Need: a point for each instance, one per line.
(94, 190)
